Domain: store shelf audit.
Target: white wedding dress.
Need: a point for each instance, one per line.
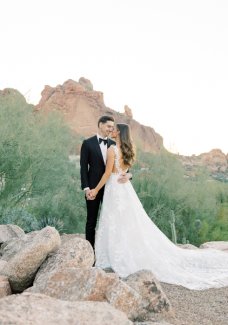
(128, 241)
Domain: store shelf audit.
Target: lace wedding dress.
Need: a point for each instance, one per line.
(128, 241)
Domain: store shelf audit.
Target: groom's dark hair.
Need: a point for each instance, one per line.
(105, 118)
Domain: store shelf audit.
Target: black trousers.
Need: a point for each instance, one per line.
(92, 216)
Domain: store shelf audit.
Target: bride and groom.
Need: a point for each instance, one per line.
(126, 239)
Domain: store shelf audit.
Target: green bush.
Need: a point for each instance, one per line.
(36, 175)
(196, 202)
(21, 218)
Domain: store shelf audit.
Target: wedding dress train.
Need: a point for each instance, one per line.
(127, 240)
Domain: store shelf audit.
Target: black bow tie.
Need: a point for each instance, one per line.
(104, 140)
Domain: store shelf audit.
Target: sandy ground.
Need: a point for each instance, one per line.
(196, 307)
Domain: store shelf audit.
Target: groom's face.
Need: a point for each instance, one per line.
(106, 128)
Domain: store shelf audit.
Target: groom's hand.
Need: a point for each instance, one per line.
(124, 177)
(88, 195)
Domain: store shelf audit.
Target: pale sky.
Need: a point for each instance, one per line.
(166, 59)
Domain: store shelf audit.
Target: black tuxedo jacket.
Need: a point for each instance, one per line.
(92, 162)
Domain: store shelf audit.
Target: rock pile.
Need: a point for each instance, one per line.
(46, 278)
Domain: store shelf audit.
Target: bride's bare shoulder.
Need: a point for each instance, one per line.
(112, 148)
(111, 151)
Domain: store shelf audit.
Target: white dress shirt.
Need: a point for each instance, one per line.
(103, 147)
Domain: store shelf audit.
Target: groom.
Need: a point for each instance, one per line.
(92, 161)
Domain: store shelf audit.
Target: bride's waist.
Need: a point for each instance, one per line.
(118, 173)
(115, 174)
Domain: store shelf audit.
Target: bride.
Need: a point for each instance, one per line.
(128, 241)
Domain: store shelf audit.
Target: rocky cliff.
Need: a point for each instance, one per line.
(82, 106)
(215, 161)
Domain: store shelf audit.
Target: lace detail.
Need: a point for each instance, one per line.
(128, 241)
(117, 160)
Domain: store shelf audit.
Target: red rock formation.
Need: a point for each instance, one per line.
(215, 161)
(128, 111)
(82, 106)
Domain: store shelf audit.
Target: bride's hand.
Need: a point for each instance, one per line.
(93, 193)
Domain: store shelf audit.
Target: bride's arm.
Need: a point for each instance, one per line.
(108, 171)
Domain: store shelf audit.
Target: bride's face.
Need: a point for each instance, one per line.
(115, 133)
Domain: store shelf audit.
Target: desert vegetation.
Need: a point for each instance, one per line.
(40, 181)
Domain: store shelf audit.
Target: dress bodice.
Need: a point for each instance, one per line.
(117, 161)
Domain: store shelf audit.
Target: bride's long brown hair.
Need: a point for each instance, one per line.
(126, 144)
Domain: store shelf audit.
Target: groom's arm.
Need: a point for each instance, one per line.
(84, 162)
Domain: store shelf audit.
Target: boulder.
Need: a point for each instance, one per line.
(38, 309)
(73, 252)
(73, 284)
(123, 297)
(11, 247)
(22, 266)
(220, 245)
(145, 283)
(8, 232)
